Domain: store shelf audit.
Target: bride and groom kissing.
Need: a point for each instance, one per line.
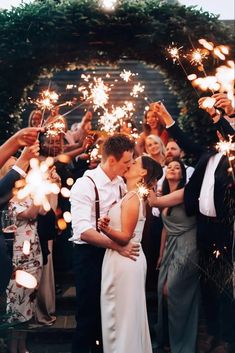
(109, 264)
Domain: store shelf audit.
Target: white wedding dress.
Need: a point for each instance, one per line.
(123, 303)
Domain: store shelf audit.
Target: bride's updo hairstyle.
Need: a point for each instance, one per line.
(154, 171)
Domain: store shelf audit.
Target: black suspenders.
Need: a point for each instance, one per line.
(97, 202)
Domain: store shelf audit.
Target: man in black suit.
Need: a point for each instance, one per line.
(210, 195)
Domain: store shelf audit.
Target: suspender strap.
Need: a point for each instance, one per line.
(120, 192)
(97, 204)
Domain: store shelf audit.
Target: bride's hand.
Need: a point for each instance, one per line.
(103, 223)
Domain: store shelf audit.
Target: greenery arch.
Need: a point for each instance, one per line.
(48, 35)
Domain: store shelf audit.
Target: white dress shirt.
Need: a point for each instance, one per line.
(206, 199)
(83, 200)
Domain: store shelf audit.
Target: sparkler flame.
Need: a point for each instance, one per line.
(56, 127)
(174, 52)
(142, 190)
(197, 56)
(138, 88)
(38, 186)
(47, 100)
(126, 75)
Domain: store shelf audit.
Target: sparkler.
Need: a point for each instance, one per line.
(56, 127)
(109, 121)
(175, 55)
(38, 186)
(142, 190)
(126, 75)
(138, 88)
(226, 147)
(48, 99)
(197, 56)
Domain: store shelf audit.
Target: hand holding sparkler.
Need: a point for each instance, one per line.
(26, 136)
(161, 110)
(208, 104)
(223, 102)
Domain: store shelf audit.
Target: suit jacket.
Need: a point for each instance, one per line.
(7, 183)
(224, 186)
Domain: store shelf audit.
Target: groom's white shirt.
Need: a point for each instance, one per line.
(83, 200)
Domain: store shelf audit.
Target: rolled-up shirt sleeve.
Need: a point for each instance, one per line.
(82, 200)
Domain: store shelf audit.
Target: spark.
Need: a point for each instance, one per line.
(192, 77)
(142, 190)
(56, 127)
(219, 54)
(174, 52)
(26, 247)
(216, 253)
(197, 56)
(126, 75)
(225, 77)
(96, 92)
(67, 217)
(209, 102)
(226, 146)
(206, 44)
(47, 99)
(138, 88)
(25, 279)
(38, 185)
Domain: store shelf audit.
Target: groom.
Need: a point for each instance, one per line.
(91, 198)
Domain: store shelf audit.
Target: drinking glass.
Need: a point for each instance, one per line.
(8, 221)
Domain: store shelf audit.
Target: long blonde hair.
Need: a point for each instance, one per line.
(158, 140)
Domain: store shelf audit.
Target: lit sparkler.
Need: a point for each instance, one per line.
(174, 52)
(142, 190)
(47, 100)
(228, 149)
(38, 186)
(56, 127)
(197, 56)
(138, 88)
(126, 75)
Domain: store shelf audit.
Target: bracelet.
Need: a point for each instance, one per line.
(231, 115)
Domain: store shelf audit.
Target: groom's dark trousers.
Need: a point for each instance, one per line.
(87, 268)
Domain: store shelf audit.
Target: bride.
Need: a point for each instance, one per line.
(123, 303)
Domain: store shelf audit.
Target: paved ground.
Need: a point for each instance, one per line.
(57, 338)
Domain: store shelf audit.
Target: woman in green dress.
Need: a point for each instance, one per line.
(178, 282)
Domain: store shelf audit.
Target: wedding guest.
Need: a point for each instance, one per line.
(46, 227)
(124, 314)
(178, 280)
(20, 300)
(210, 195)
(153, 224)
(152, 125)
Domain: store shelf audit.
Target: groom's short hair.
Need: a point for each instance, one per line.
(116, 145)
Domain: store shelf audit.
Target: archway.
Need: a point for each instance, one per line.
(49, 35)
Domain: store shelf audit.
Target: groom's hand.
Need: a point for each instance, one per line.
(131, 250)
